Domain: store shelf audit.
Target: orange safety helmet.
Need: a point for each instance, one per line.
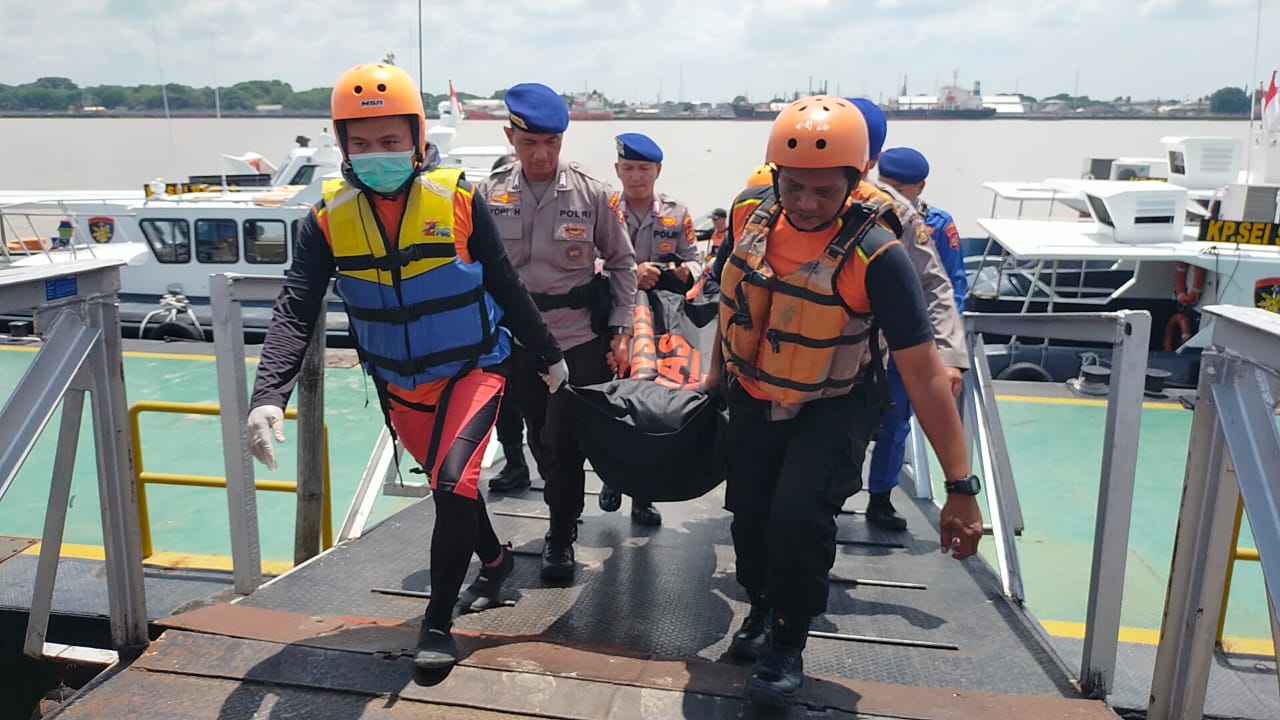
(377, 90)
(821, 131)
(762, 175)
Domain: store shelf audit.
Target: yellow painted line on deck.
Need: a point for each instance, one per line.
(1081, 401)
(1147, 636)
(138, 354)
(168, 560)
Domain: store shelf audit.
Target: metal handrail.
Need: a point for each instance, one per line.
(1232, 455)
(142, 478)
(1129, 332)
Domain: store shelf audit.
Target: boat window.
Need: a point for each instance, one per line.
(217, 241)
(170, 240)
(265, 242)
(303, 176)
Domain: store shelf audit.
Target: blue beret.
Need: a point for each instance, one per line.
(536, 108)
(635, 146)
(904, 164)
(877, 124)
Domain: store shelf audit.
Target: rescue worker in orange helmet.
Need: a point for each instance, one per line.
(762, 175)
(426, 282)
(809, 279)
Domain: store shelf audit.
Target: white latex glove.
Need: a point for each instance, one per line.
(556, 376)
(265, 421)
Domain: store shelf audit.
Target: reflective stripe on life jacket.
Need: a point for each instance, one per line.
(418, 312)
(793, 338)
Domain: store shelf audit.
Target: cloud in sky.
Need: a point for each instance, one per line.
(640, 49)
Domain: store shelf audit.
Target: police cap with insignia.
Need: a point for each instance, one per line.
(536, 108)
(904, 164)
(635, 146)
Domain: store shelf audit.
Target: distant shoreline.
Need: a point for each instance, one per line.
(149, 114)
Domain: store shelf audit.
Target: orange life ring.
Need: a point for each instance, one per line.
(1188, 295)
(1179, 325)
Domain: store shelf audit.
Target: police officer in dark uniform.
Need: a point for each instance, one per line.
(555, 220)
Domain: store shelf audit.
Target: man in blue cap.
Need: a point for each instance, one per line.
(555, 219)
(902, 172)
(662, 233)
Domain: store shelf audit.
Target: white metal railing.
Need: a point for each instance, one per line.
(1129, 333)
(1233, 455)
(81, 353)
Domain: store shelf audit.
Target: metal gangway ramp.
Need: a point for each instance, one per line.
(642, 632)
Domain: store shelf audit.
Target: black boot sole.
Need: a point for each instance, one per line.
(558, 574)
(763, 695)
(434, 661)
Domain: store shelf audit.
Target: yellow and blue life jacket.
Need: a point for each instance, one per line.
(417, 311)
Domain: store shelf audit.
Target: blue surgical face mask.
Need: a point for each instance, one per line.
(384, 172)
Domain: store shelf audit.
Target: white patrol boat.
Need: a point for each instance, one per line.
(1198, 231)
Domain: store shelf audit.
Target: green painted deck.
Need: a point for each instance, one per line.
(1054, 448)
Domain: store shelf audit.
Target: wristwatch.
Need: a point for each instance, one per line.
(963, 486)
(620, 330)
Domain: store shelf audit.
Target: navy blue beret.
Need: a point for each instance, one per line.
(904, 164)
(877, 123)
(635, 146)
(536, 108)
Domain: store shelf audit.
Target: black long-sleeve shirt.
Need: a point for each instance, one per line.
(302, 300)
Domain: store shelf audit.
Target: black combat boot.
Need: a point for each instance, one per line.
(514, 476)
(752, 639)
(610, 499)
(777, 676)
(881, 513)
(436, 649)
(557, 554)
(644, 513)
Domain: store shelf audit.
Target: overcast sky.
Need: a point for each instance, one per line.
(635, 50)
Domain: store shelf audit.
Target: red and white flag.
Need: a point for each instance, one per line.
(456, 106)
(1271, 107)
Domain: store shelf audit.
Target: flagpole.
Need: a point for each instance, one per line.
(1253, 94)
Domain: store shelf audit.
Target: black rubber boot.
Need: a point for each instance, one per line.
(557, 554)
(610, 499)
(644, 513)
(881, 513)
(778, 675)
(484, 592)
(436, 649)
(752, 639)
(514, 475)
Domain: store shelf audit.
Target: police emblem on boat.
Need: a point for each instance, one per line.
(1266, 294)
(102, 229)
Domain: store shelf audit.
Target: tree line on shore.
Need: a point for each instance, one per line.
(60, 94)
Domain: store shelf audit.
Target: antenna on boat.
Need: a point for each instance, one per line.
(164, 94)
(217, 108)
(1253, 95)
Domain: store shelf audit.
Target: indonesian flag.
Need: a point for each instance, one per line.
(1271, 107)
(456, 105)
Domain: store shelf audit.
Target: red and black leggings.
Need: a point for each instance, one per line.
(462, 525)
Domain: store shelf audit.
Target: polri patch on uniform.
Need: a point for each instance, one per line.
(573, 252)
(953, 235)
(575, 231)
(666, 247)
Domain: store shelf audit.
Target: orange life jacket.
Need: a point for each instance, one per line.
(794, 338)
